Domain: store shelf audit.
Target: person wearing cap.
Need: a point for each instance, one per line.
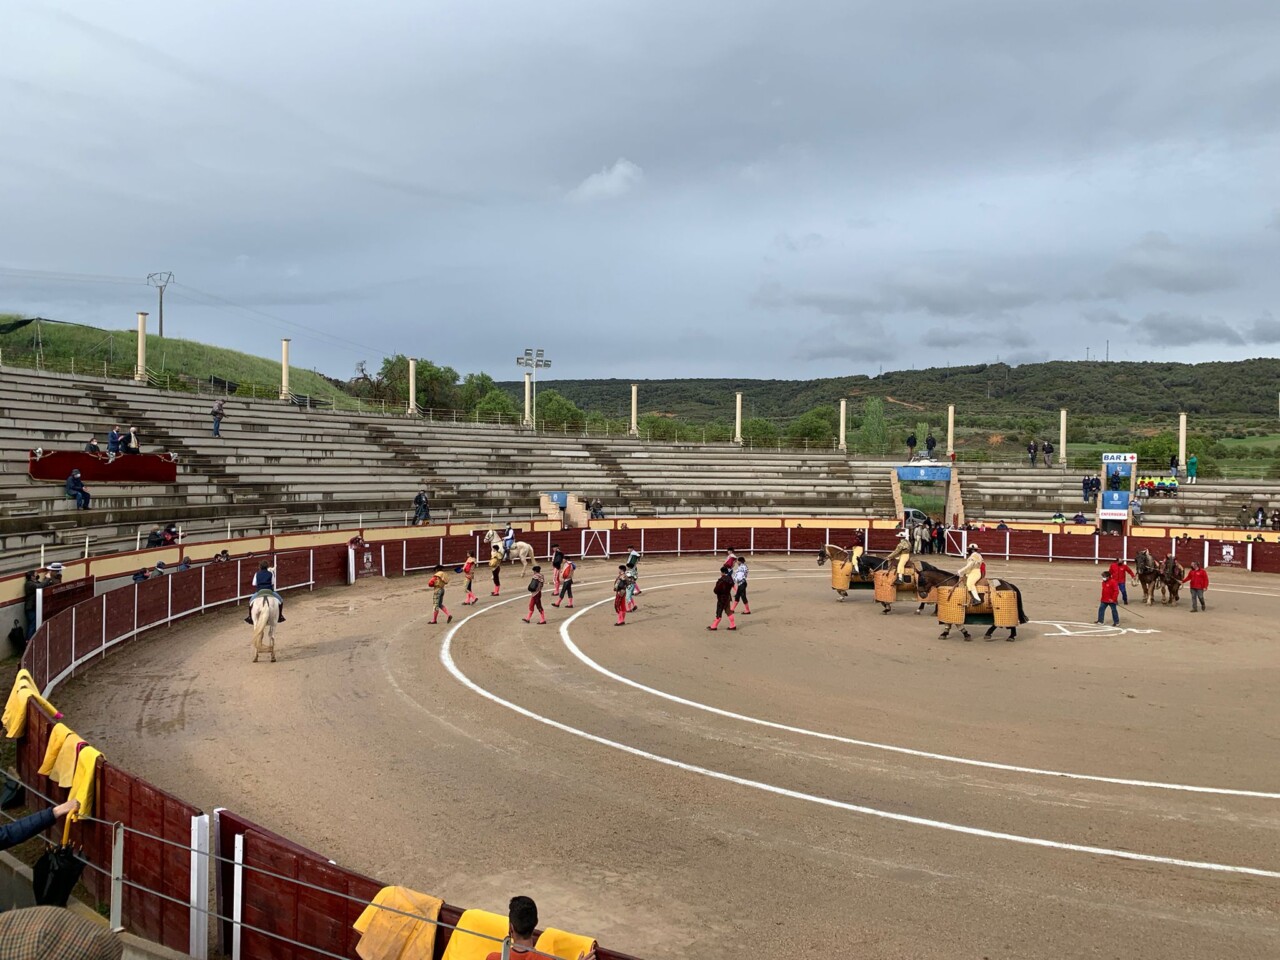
(901, 553)
(1110, 596)
(76, 491)
(161, 569)
(974, 569)
(724, 595)
(92, 446)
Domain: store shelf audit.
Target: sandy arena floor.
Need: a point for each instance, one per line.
(634, 781)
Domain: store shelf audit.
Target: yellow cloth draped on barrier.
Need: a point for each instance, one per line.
(60, 755)
(566, 946)
(464, 946)
(82, 787)
(385, 935)
(15, 711)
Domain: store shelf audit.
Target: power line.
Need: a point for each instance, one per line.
(160, 281)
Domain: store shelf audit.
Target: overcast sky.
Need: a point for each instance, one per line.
(652, 188)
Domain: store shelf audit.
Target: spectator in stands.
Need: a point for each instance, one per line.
(421, 508)
(1193, 464)
(1058, 517)
(1095, 487)
(597, 509)
(1086, 488)
(55, 933)
(1002, 525)
(522, 917)
(1079, 518)
(171, 533)
(1260, 517)
(77, 492)
(92, 446)
(222, 556)
(1173, 465)
(133, 443)
(156, 537)
(140, 576)
(160, 569)
(1136, 509)
(218, 414)
(1275, 519)
(1031, 452)
(929, 444)
(911, 446)
(114, 441)
(1047, 447)
(184, 565)
(12, 834)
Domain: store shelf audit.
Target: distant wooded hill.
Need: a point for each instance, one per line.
(1229, 388)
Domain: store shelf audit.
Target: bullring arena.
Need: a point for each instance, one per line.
(823, 779)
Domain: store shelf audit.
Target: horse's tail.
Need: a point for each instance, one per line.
(1022, 614)
(258, 610)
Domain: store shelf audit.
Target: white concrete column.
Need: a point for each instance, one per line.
(1182, 441)
(140, 372)
(1062, 437)
(737, 418)
(635, 422)
(951, 429)
(284, 368)
(843, 446)
(413, 386)
(528, 394)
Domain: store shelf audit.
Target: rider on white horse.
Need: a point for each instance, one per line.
(508, 539)
(264, 583)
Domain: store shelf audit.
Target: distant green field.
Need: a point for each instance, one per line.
(64, 347)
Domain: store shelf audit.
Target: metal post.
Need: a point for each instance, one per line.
(198, 924)
(140, 371)
(117, 875)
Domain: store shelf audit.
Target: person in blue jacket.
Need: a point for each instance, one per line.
(75, 490)
(12, 834)
(264, 581)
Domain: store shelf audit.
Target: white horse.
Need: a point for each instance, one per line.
(266, 614)
(521, 552)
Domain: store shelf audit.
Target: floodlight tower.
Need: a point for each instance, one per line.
(533, 360)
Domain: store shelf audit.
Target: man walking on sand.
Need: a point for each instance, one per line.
(1110, 594)
(536, 583)
(1119, 571)
(724, 595)
(1198, 578)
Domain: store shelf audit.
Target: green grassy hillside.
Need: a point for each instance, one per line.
(67, 346)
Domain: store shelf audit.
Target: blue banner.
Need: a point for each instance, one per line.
(924, 473)
(560, 499)
(1114, 505)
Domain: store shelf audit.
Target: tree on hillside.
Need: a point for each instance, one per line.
(475, 387)
(437, 386)
(557, 411)
(817, 426)
(873, 436)
(497, 405)
(759, 432)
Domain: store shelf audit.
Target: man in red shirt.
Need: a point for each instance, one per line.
(1199, 580)
(1119, 571)
(1110, 594)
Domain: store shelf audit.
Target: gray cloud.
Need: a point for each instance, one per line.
(664, 169)
(1164, 329)
(1155, 262)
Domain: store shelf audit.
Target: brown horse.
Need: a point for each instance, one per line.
(929, 578)
(1172, 573)
(1150, 576)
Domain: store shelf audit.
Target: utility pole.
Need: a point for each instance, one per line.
(160, 281)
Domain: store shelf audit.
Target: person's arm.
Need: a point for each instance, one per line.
(12, 834)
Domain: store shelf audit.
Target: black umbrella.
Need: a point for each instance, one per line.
(55, 875)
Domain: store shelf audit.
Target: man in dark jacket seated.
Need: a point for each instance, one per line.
(77, 492)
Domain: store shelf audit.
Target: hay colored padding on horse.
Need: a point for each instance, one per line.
(951, 604)
(1004, 607)
(841, 572)
(886, 585)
